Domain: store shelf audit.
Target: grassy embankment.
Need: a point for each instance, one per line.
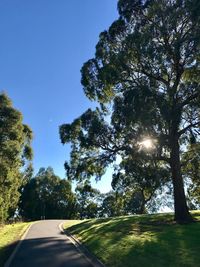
(9, 235)
(146, 240)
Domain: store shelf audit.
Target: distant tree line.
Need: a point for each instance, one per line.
(47, 196)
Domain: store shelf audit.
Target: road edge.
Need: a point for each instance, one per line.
(11, 257)
(81, 248)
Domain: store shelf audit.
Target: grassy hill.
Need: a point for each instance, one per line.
(143, 240)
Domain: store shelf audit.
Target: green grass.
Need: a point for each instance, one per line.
(9, 235)
(146, 240)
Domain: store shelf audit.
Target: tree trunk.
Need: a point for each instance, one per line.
(181, 210)
(143, 203)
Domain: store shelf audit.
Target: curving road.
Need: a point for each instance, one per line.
(45, 245)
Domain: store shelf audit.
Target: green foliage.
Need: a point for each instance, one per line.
(139, 180)
(191, 171)
(87, 200)
(145, 78)
(90, 135)
(47, 196)
(112, 205)
(15, 155)
(142, 240)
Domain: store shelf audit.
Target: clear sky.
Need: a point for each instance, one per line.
(43, 46)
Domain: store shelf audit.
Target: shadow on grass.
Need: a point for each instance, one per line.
(172, 246)
(148, 240)
(121, 225)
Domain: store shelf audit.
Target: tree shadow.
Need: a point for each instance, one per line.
(120, 225)
(170, 246)
(149, 240)
(6, 251)
(50, 252)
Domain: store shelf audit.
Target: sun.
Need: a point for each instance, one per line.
(147, 143)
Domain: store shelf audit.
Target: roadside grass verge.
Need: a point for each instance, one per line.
(9, 236)
(141, 240)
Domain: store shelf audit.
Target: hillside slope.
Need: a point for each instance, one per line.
(146, 240)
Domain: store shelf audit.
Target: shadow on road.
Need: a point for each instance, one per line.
(50, 252)
(6, 251)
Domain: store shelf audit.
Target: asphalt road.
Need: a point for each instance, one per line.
(46, 246)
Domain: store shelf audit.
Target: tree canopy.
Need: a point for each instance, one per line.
(145, 77)
(47, 196)
(87, 198)
(15, 155)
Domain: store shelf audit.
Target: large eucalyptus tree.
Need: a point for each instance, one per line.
(145, 78)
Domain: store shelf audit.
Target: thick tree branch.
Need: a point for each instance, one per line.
(188, 127)
(162, 158)
(155, 77)
(190, 98)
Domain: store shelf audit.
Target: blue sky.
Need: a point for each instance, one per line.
(43, 46)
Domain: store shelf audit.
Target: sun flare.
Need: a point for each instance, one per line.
(147, 143)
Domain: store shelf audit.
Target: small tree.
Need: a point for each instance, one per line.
(87, 200)
(112, 205)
